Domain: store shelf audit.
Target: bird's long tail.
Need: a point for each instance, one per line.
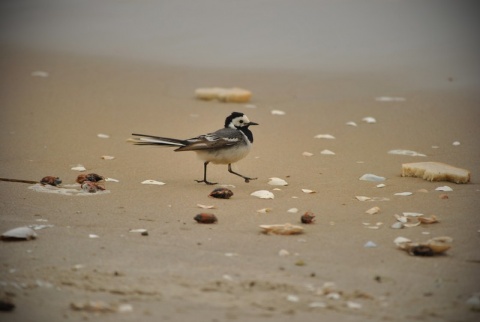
(145, 139)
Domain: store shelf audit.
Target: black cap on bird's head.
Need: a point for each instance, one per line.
(238, 120)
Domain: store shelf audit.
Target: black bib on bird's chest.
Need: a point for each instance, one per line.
(247, 132)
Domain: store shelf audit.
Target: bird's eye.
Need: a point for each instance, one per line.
(241, 121)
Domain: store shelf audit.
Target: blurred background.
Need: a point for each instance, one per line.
(358, 35)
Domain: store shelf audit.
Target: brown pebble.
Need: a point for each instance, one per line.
(221, 193)
(307, 218)
(443, 196)
(204, 218)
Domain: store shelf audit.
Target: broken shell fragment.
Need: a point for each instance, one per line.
(79, 167)
(406, 152)
(221, 193)
(263, 194)
(154, 182)
(371, 177)
(369, 120)
(281, 229)
(92, 177)
(431, 247)
(308, 191)
(90, 187)
(373, 210)
(264, 210)
(307, 218)
(324, 136)
(51, 180)
(277, 182)
(20, 233)
(428, 220)
(327, 152)
(435, 171)
(205, 218)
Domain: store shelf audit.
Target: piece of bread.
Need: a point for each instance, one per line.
(435, 171)
(236, 95)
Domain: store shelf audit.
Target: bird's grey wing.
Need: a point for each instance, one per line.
(212, 141)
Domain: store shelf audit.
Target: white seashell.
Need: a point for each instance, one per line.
(264, 210)
(402, 219)
(406, 193)
(371, 177)
(389, 99)
(307, 154)
(19, 233)
(103, 136)
(112, 180)
(351, 123)
(293, 298)
(263, 194)
(362, 198)
(381, 185)
(283, 252)
(401, 241)
(250, 106)
(410, 225)
(397, 225)
(292, 210)
(444, 188)
(369, 120)
(140, 230)
(327, 152)
(125, 308)
(373, 211)
(456, 143)
(277, 182)
(324, 136)
(473, 302)
(205, 206)
(412, 214)
(278, 112)
(38, 227)
(79, 167)
(153, 182)
(354, 305)
(370, 244)
(93, 236)
(40, 73)
(407, 152)
(107, 157)
(308, 191)
(334, 296)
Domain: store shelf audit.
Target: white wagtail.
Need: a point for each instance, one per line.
(225, 146)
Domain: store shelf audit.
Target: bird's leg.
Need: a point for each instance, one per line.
(205, 175)
(247, 179)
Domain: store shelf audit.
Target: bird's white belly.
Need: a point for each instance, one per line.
(224, 156)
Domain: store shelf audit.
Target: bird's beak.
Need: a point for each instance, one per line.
(252, 123)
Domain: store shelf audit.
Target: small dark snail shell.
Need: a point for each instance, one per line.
(205, 218)
(51, 180)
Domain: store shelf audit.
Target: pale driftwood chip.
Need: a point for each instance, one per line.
(237, 95)
(282, 229)
(435, 171)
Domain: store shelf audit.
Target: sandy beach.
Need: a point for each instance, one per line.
(56, 100)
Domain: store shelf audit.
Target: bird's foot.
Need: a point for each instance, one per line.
(206, 182)
(247, 179)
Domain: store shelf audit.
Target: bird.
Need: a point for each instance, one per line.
(224, 146)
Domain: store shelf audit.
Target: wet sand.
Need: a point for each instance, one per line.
(229, 270)
(185, 271)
